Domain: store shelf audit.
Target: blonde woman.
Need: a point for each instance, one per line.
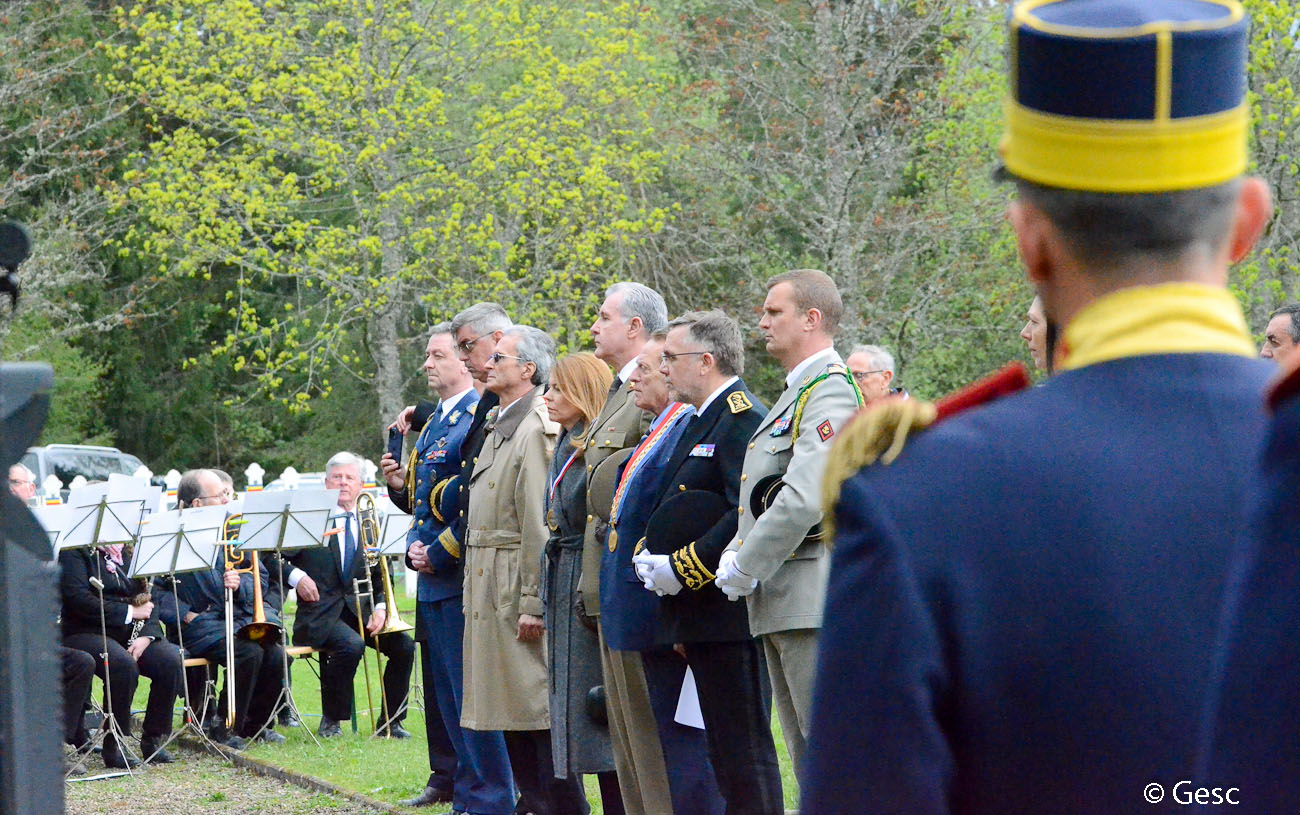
(579, 730)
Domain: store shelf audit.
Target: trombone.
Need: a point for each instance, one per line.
(368, 522)
(256, 630)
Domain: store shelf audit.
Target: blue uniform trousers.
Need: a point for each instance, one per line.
(686, 749)
(483, 784)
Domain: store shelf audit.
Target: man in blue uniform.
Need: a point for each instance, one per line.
(630, 614)
(1020, 603)
(481, 783)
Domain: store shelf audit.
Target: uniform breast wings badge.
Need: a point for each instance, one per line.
(739, 402)
(702, 450)
(825, 431)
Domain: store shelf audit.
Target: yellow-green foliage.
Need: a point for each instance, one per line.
(344, 161)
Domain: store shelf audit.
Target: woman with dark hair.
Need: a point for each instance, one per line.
(579, 730)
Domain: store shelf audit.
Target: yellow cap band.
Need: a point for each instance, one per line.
(1122, 156)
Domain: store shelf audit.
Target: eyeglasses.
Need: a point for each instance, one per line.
(466, 346)
(497, 357)
(861, 375)
(18, 482)
(670, 357)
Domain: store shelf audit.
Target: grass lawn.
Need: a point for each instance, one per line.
(385, 769)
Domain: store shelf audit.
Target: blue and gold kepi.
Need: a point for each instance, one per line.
(1127, 96)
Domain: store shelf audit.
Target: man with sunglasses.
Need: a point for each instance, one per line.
(506, 532)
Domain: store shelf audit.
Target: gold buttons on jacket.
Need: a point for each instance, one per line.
(681, 487)
(492, 485)
(741, 510)
(744, 476)
(590, 518)
(480, 572)
(751, 445)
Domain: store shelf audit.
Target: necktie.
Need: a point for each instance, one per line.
(614, 386)
(349, 545)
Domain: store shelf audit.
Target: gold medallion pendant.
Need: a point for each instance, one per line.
(613, 539)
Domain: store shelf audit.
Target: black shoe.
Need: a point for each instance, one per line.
(328, 728)
(393, 731)
(152, 750)
(271, 737)
(428, 797)
(287, 718)
(115, 759)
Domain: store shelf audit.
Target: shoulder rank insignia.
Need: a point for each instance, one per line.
(739, 402)
(877, 433)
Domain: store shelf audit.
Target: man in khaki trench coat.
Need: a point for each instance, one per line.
(506, 532)
(774, 559)
(630, 314)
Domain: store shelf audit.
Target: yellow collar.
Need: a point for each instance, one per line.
(1172, 318)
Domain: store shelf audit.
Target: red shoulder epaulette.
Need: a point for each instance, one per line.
(1011, 378)
(1285, 387)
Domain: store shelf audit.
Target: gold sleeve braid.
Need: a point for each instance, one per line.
(690, 569)
(449, 542)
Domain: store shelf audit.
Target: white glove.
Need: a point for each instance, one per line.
(733, 582)
(657, 573)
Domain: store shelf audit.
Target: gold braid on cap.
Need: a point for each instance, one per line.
(876, 433)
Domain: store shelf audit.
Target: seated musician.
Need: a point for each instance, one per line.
(199, 605)
(135, 645)
(327, 619)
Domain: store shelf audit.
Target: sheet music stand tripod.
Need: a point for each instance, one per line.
(279, 522)
(99, 515)
(177, 542)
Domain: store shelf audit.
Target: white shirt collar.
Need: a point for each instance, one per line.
(817, 359)
(448, 404)
(626, 372)
(700, 411)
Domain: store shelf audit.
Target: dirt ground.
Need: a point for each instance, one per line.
(201, 784)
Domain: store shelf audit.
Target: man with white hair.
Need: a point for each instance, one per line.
(328, 606)
(872, 368)
(22, 483)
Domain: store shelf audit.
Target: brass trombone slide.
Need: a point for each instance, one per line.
(368, 522)
(256, 630)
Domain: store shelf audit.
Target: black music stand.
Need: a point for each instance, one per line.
(173, 543)
(279, 522)
(99, 515)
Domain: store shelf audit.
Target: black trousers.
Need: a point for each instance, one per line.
(259, 675)
(78, 671)
(344, 650)
(738, 724)
(160, 662)
(533, 767)
(442, 756)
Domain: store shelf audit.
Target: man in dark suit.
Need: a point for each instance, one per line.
(198, 609)
(1021, 604)
(327, 612)
(703, 357)
(630, 614)
(480, 772)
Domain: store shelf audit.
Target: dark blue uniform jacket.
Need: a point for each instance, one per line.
(1020, 607)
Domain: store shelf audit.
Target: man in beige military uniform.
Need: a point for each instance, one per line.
(630, 314)
(505, 658)
(776, 559)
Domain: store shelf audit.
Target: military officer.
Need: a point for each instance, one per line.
(777, 559)
(481, 780)
(1020, 603)
(630, 313)
(703, 358)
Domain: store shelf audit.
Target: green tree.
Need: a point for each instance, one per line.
(344, 172)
